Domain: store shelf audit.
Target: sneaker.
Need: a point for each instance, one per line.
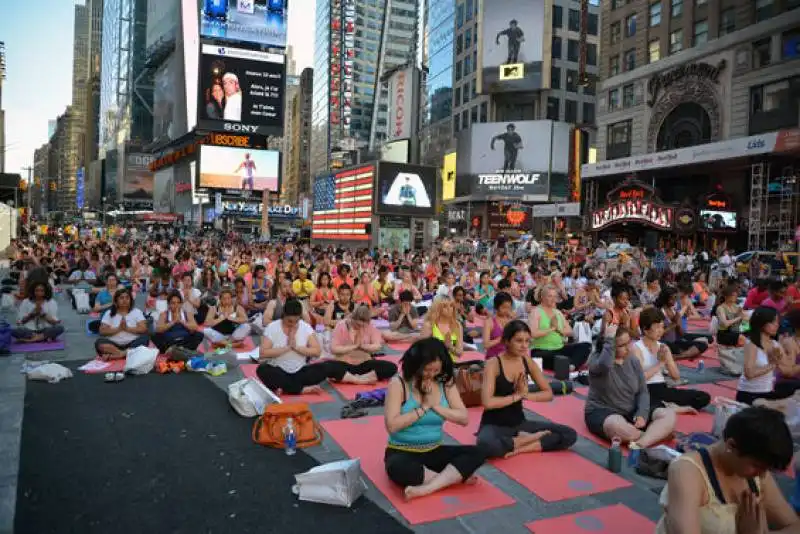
(217, 369)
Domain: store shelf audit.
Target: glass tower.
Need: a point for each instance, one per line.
(437, 132)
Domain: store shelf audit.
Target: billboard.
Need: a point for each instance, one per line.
(238, 169)
(261, 22)
(449, 176)
(401, 104)
(169, 122)
(343, 205)
(80, 188)
(406, 190)
(513, 159)
(164, 190)
(241, 91)
(137, 187)
(512, 57)
(396, 151)
(342, 54)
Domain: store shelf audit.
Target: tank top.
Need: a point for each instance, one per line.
(497, 332)
(507, 416)
(339, 313)
(440, 336)
(760, 384)
(424, 434)
(649, 360)
(553, 340)
(729, 315)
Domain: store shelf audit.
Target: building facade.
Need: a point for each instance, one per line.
(356, 41)
(699, 97)
(2, 112)
(305, 98)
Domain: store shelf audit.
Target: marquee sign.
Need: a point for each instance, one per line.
(638, 211)
(663, 81)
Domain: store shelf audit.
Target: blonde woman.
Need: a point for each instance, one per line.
(442, 323)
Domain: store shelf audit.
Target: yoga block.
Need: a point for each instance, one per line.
(561, 367)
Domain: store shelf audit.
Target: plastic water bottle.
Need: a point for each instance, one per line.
(615, 456)
(289, 438)
(701, 365)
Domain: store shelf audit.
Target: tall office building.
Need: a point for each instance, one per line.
(357, 41)
(297, 138)
(303, 140)
(291, 123)
(2, 113)
(94, 65)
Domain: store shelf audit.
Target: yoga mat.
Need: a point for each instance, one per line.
(551, 476)
(205, 346)
(94, 315)
(472, 355)
(712, 389)
(731, 384)
(608, 520)
(566, 410)
(98, 366)
(366, 437)
(399, 347)
(349, 391)
(687, 423)
(249, 371)
(381, 324)
(17, 348)
(692, 364)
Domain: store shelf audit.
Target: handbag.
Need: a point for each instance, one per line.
(724, 409)
(338, 483)
(469, 381)
(268, 429)
(140, 360)
(250, 398)
(731, 360)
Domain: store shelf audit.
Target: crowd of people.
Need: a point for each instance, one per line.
(623, 324)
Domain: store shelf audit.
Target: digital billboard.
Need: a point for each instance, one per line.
(406, 189)
(241, 91)
(239, 169)
(137, 187)
(512, 55)
(169, 123)
(449, 176)
(343, 205)
(715, 220)
(342, 55)
(512, 159)
(262, 22)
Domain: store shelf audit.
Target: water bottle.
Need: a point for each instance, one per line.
(615, 456)
(701, 365)
(289, 438)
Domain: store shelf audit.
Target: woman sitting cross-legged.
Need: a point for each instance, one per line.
(353, 344)
(618, 405)
(37, 317)
(176, 327)
(123, 327)
(504, 431)
(418, 402)
(227, 321)
(654, 357)
(549, 328)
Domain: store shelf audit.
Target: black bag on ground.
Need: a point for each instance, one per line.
(561, 367)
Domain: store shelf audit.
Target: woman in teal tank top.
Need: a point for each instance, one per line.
(549, 328)
(418, 402)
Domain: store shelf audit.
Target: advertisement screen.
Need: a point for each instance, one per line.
(137, 188)
(262, 22)
(223, 167)
(396, 151)
(406, 189)
(512, 158)
(168, 120)
(241, 91)
(164, 190)
(449, 176)
(512, 57)
(718, 220)
(343, 205)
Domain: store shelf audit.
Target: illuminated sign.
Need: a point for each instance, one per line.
(632, 194)
(638, 211)
(349, 36)
(717, 204)
(239, 141)
(335, 64)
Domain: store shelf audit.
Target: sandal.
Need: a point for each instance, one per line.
(352, 412)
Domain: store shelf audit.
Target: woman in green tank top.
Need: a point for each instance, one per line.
(442, 323)
(549, 328)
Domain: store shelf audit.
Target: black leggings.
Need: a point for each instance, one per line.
(310, 375)
(782, 390)
(686, 342)
(407, 468)
(661, 393)
(728, 338)
(497, 441)
(191, 341)
(577, 353)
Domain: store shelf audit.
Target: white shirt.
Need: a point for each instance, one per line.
(187, 306)
(291, 362)
(760, 384)
(233, 108)
(49, 307)
(133, 318)
(649, 360)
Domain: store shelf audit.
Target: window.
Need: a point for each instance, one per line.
(465, 119)
(474, 114)
(467, 65)
(588, 89)
(457, 97)
(572, 50)
(588, 113)
(484, 112)
(556, 47)
(553, 105)
(458, 70)
(613, 100)
(727, 21)
(456, 123)
(630, 59)
(470, 9)
(593, 24)
(571, 111)
(630, 26)
(474, 91)
(655, 14)
(460, 43)
(613, 66)
(619, 136)
(460, 15)
(558, 17)
(616, 32)
(574, 20)
(466, 94)
(555, 78)
(764, 9)
(654, 51)
(770, 97)
(572, 81)
(591, 54)
(627, 96)
(468, 38)
(700, 32)
(677, 8)
(790, 44)
(762, 53)
(676, 41)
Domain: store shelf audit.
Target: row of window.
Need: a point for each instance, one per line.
(475, 115)
(572, 81)
(574, 20)
(574, 50)
(570, 111)
(466, 66)
(462, 94)
(727, 24)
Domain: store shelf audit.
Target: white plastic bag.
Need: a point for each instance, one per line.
(337, 483)
(81, 301)
(256, 326)
(582, 332)
(249, 397)
(49, 372)
(140, 360)
(724, 408)
(7, 301)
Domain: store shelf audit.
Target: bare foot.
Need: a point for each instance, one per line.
(412, 492)
(537, 436)
(312, 390)
(471, 481)
(368, 378)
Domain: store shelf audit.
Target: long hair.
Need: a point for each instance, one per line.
(437, 315)
(31, 290)
(121, 291)
(761, 317)
(422, 353)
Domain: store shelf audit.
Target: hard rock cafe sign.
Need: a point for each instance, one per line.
(633, 202)
(662, 82)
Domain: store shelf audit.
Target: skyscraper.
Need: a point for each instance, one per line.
(357, 41)
(2, 113)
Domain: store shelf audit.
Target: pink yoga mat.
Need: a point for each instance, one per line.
(731, 384)
(17, 348)
(365, 439)
(350, 391)
(249, 371)
(607, 520)
(247, 345)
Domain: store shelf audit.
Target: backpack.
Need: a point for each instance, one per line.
(5, 336)
(268, 428)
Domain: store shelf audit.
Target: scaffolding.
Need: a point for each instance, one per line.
(786, 213)
(773, 208)
(756, 227)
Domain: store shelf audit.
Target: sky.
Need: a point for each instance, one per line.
(38, 86)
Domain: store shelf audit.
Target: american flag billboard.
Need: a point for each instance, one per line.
(343, 205)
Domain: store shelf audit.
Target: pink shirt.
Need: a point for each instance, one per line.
(779, 306)
(369, 335)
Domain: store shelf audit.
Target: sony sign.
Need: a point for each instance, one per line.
(238, 127)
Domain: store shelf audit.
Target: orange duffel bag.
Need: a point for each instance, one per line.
(268, 428)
